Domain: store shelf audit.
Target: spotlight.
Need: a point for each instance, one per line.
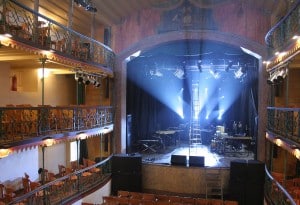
(229, 66)
(179, 73)
(91, 9)
(98, 84)
(199, 66)
(87, 81)
(80, 79)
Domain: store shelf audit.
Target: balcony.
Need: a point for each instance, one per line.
(25, 124)
(33, 34)
(68, 188)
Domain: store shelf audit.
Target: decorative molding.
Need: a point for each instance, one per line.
(187, 17)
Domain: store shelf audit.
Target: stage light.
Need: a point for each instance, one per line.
(179, 73)
(199, 66)
(238, 73)
(221, 112)
(214, 73)
(229, 66)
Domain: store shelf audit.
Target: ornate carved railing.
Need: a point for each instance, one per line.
(26, 122)
(285, 29)
(30, 27)
(284, 122)
(275, 193)
(68, 188)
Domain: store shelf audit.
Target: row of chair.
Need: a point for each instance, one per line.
(139, 198)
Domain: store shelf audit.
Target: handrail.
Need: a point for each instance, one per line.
(282, 36)
(54, 22)
(26, 122)
(78, 186)
(23, 24)
(275, 192)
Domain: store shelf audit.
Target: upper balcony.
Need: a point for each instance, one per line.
(33, 36)
(283, 39)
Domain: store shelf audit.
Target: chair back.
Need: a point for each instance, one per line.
(26, 184)
(2, 191)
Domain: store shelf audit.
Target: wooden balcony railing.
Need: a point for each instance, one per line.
(69, 188)
(285, 29)
(284, 122)
(18, 123)
(30, 27)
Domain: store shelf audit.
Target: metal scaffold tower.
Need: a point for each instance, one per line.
(195, 132)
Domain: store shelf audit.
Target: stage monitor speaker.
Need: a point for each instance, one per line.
(196, 161)
(179, 160)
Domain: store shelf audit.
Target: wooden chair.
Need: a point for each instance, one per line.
(215, 201)
(61, 170)
(6, 194)
(175, 199)
(162, 203)
(201, 201)
(122, 193)
(226, 202)
(136, 195)
(148, 202)
(135, 201)
(148, 197)
(296, 182)
(26, 184)
(91, 163)
(188, 200)
(74, 165)
(160, 197)
(122, 200)
(109, 200)
(2, 191)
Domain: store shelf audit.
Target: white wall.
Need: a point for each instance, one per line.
(54, 156)
(16, 164)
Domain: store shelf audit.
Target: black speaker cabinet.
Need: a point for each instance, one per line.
(179, 160)
(126, 173)
(246, 183)
(196, 161)
(126, 163)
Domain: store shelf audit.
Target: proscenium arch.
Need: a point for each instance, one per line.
(257, 50)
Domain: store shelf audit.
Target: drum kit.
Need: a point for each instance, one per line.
(222, 142)
(217, 143)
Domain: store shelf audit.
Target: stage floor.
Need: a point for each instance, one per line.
(211, 157)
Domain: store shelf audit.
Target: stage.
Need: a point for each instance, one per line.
(211, 158)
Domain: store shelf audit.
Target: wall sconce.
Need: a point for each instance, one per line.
(4, 152)
(81, 136)
(47, 142)
(5, 39)
(296, 153)
(278, 142)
